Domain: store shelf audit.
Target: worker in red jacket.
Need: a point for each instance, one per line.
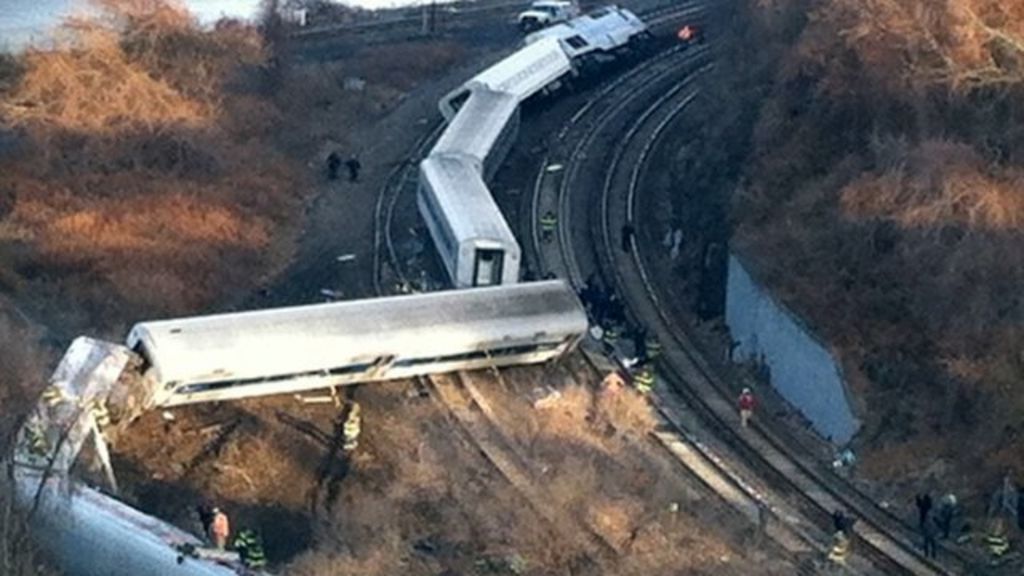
(691, 34)
(746, 405)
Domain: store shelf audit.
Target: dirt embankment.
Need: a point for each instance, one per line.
(418, 496)
(881, 199)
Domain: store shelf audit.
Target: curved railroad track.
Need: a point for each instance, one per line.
(390, 269)
(459, 397)
(696, 393)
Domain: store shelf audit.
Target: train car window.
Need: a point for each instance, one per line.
(476, 355)
(222, 384)
(143, 353)
(459, 100)
(447, 238)
(577, 42)
(525, 349)
(350, 369)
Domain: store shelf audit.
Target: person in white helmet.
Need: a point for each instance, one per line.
(746, 405)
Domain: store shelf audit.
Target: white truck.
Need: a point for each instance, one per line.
(543, 13)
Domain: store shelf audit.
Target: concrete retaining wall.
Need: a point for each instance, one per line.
(801, 369)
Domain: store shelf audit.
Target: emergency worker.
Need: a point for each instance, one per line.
(220, 529)
(653, 346)
(840, 550)
(548, 225)
(691, 34)
(352, 428)
(644, 380)
(746, 405)
(36, 439)
(996, 541)
(250, 549)
(100, 413)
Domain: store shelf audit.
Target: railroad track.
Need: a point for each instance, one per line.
(696, 392)
(706, 467)
(455, 14)
(401, 180)
(469, 409)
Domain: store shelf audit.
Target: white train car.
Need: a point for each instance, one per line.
(483, 129)
(470, 234)
(602, 32)
(288, 350)
(525, 72)
(86, 533)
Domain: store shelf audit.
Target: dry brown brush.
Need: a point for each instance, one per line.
(883, 199)
(24, 366)
(145, 161)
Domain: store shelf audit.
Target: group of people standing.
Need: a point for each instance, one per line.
(934, 523)
(334, 164)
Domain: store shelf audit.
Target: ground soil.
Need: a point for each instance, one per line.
(417, 496)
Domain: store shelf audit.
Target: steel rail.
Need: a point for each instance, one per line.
(800, 532)
(476, 420)
(894, 552)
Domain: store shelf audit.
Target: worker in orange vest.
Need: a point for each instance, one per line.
(219, 529)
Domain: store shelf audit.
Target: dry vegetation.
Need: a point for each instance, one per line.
(23, 372)
(418, 498)
(142, 159)
(882, 198)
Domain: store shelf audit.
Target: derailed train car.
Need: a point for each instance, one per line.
(289, 350)
(469, 232)
(472, 238)
(602, 33)
(484, 130)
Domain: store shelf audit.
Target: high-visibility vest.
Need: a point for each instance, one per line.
(997, 544)
(840, 547)
(100, 413)
(644, 381)
(353, 426)
(548, 222)
(653, 348)
(53, 395)
(37, 442)
(250, 549)
(611, 334)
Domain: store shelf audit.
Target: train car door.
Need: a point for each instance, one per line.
(487, 267)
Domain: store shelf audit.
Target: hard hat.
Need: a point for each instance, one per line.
(746, 390)
(215, 510)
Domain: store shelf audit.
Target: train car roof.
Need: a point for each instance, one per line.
(322, 336)
(465, 200)
(595, 28)
(526, 71)
(478, 124)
